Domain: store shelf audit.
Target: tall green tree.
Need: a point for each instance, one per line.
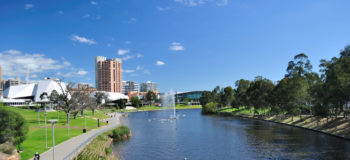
(228, 95)
(259, 91)
(135, 101)
(151, 97)
(241, 97)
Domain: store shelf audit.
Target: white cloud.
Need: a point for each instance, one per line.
(60, 12)
(139, 68)
(77, 38)
(78, 73)
(82, 72)
(127, 42)
(194, 3)
(163, 8)
(34, 76)
(146, 71)
(86, 16)
(93, 2)
(160, 63)
(139, 55)
(128, 71)
(132, 20)
(222, 3)
(127, 58)
(28, 6)
(16, 64)
(176, 46)
(123, 51)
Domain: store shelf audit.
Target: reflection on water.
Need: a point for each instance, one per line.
(194, 136)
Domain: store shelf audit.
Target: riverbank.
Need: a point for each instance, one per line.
(155, 108)
(99, 148)
(36, 142)
(338, 127)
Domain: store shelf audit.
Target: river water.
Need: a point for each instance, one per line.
(197, 137)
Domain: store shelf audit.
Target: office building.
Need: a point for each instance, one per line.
(129, 86)
(148, 86)
(10, 82)
(108, 74)
(1, 90)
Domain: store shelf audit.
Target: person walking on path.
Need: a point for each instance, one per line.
(36, 156)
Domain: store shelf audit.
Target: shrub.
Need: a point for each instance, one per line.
(209, 108)
(120, 132)
(13, 127)
(7, 148)
(108, 151)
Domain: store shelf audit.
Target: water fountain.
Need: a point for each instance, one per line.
(168, 101)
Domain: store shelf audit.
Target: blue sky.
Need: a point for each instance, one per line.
(180, 44)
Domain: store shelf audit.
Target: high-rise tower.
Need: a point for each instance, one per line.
(108, 74)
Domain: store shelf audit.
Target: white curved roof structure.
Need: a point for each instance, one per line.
(34, 90)
(112, 96)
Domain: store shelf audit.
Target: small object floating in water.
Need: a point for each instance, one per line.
(149, 120)
(185, 158)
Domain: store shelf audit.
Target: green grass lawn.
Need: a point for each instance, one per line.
(243, 110)
(154, 108)
(35, 141)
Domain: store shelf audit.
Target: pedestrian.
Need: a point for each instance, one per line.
(36, 156)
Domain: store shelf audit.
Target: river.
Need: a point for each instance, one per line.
(197, 137)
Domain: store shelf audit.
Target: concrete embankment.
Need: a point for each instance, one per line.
(338, 127)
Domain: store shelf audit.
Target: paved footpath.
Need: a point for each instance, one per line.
(67, 150)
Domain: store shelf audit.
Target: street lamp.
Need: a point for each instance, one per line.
(53, 121)
(84, 130)
(39, 116)
(68, 120)
(45, 114)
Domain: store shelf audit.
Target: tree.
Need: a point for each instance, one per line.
(259, 91)
(54, 97)
(299, 71)
(13, 127)
(64, 99)
(228, 95)
(121, 103)
(151, 97)
(135, 101)
(241, 96)
(186, 100)
(100, 98)
(336, 78)
(206, 98)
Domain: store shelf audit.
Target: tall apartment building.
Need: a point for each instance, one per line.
(108, 74)
(148, 86)
(129, 86)
(1, 90)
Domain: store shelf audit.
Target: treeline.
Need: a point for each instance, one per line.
(300, 91)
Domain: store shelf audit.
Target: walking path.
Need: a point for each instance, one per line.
(67, 150)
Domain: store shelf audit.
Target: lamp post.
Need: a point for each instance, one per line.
(39, 117)
(68, 120)
(45, 114)
(53, 121)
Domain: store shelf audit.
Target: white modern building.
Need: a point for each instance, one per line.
(111, 96)
(30, 93)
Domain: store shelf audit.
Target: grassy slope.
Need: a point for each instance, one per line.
(336, 126)
(35, 141)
